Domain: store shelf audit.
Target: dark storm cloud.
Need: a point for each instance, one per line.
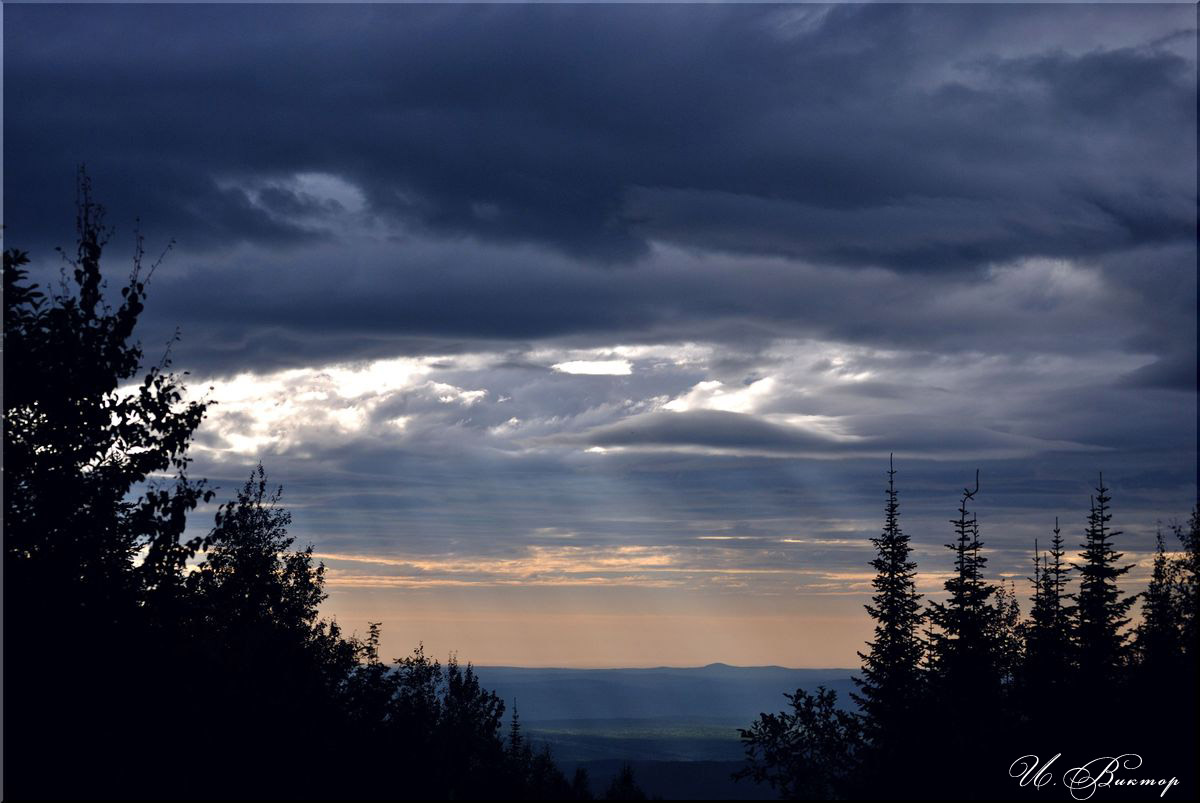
(355, 182)
(257, 310)
(853, 135)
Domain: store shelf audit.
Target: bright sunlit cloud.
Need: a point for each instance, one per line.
(595, 367)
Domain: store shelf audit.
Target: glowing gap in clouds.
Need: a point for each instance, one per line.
(595, 367)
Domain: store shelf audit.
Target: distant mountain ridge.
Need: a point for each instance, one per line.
(715, 693)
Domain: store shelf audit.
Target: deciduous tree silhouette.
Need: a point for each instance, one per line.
(81, 439)
(249, 572)
(1007, 634)
(223, 664)
(93, 540)
(811, 752)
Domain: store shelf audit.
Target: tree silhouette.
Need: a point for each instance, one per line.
(1101, 609)
(1057, 600)
(581, 785)
(963, 647)
(80, 441)
(250, 623)
(1059, 681)
(1185, 592)
(888, 689)
(93, 539)
(810, 752)
(222, 663)
(1049, 638)
(624, 786)
(967, 662)
(1007, 634)
(1185, 587)
(1159, 643)
(1041, 612)
(249, 573)
(534, 773)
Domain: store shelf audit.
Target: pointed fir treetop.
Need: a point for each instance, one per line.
(1101, 612)
(891, 665)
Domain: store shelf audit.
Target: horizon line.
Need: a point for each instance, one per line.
(713, 665)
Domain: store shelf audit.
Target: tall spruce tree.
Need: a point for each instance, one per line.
(1101, 609)
(962, 652)
(1048, 632)
(1159, 641)
(888, 690)
(1039, 612)
(1186, 585)
(1185, 594)
(970, 650)
(1058, 600)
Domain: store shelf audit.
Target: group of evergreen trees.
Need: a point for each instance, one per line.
(953, 692)
(142, 663)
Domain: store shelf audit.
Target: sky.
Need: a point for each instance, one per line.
(581, 335)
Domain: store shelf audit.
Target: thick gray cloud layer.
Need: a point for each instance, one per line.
(593, 130)
(675, 280)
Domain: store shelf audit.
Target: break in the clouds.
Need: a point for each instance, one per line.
(643, 296)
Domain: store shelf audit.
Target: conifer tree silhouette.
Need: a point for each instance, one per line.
(1041, 611)
(1101, 608)
(1184, 573)
(1159, 642)
(889, 689)
(581, 784)
(966, 662)
(1185, 587)
(516, 743)
(1048, 633)
(624, 786)
(962, 640)
(994, 681)
(1055, 571)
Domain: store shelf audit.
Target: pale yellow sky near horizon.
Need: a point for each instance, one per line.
(625, 627)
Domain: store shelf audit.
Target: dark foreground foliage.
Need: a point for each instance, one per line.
(955, 698)
(140, 663)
